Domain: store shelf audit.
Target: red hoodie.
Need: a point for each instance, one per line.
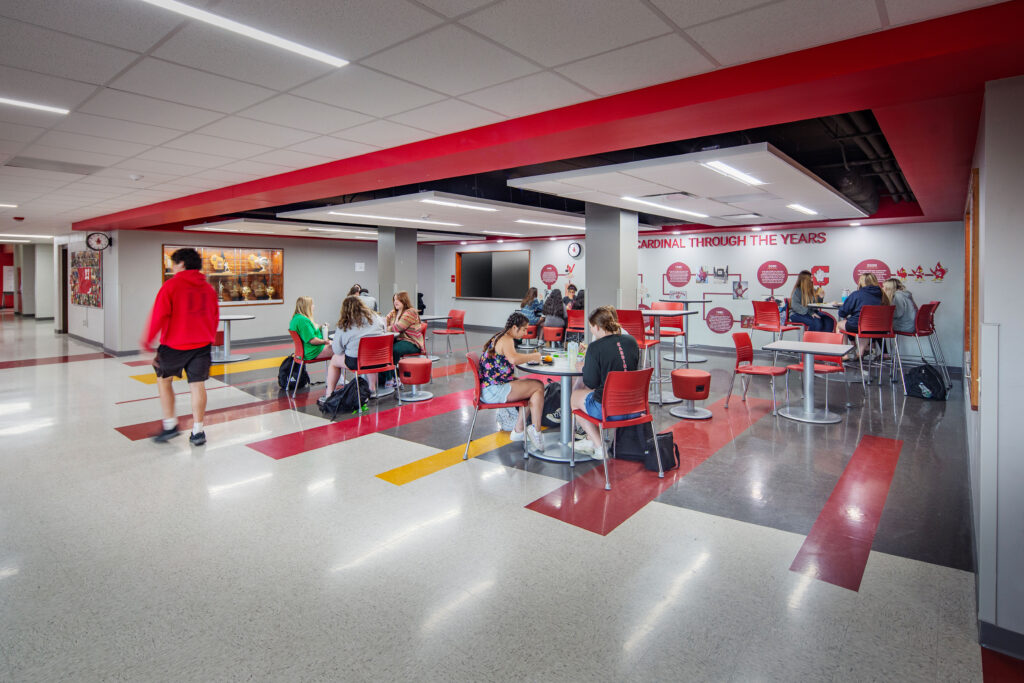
(185, 314)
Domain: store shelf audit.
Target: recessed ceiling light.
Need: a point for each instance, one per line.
(247, 31)
(675, 232)
(665, 208)
(16, 241)
(741, 216)
(497, 232)
(550, 225)
(730, 172)
(552, 238)
(802, 209)
(463, 242)
(33, 105)
(756, 229)
(441, 202)
(854, 225)
(501, 241)
(44, 237)
(350, 232)
(392, 218)
(8, 206)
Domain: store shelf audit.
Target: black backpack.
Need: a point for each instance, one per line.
(924, 381)
(552, 414)
(345, 399)
(286, 382)
(635, 443)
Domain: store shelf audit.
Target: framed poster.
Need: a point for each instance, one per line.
(241, 275)
(86, 279)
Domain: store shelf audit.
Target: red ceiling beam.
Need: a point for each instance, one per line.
(885, 71)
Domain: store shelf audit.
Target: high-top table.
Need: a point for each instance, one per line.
(807, 412)
(662, 397)
(225, 354)
(687, 358)
(558, 446)
(429, 319)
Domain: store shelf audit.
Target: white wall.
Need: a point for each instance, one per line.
(44, 281)
(28, 279)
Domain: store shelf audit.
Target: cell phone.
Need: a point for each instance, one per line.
(533, 362)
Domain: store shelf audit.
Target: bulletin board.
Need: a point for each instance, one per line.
(86, 279)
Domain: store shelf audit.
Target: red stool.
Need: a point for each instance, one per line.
(529, 338)
(414, 371)
(691, 385)
(552, 335)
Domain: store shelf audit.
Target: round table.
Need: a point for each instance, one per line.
(428, 319)
(558, 446)
(807, 412)
(225, 353)
(687, 358)
(660, 396)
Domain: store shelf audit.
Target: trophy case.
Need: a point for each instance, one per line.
(240, 275)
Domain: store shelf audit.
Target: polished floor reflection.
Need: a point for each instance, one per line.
(292, 549)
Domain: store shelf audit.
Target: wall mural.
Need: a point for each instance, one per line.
(86, 278)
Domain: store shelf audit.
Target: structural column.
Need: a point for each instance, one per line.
(396, 264)
(611, 257)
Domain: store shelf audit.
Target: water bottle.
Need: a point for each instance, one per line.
(573, 351)
(846, 293)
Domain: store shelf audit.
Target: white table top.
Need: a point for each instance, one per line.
(428, 318)
(560, 367)
(829, 306)
(686, 301)
(809, 347)
(651, 313)
(236, 316)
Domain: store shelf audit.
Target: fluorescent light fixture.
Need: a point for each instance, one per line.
(665, 208)
(350, 232)
(6, 241)
(498, 232)
(756, 229)
(43, 237)
(730, 172)
(221, 229)
(393, 218)
(552, 238)
(549, 225)
(802, 209)
(247, 31)
(457, 205)
(8, 206)
(463, 242)
(675, 232)
(741, 216)
(33, 105)
(855, 224)
(501, 241)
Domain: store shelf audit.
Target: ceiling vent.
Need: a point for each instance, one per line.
(55, 166)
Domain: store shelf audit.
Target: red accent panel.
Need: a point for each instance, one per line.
(583, 502)
(999, 668)
(932, 59)
(288, 445)
(31, 362)
(836, 551)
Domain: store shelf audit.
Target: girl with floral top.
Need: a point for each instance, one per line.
(497, 377)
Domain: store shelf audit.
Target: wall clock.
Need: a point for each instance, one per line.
(97, 241)
(575, 249)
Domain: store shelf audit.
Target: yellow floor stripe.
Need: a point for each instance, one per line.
(439, 461)
(223, 369)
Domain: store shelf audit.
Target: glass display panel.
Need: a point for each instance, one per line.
(240, 275)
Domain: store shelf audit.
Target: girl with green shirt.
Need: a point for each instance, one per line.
(313, 337)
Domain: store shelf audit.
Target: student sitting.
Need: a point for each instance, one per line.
(554, 310)
(904, 319)
(803, 294)
(868, 293)
(355, 321)
(499, 385)
(531, 306)
(404, 320)
(609, 350)
(570, 297)
(313, 337)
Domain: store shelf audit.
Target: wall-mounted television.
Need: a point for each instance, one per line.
(492, 274)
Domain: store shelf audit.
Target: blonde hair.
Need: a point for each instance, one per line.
(606, 318)
(304, 306)
(805, 284)
(354, 313)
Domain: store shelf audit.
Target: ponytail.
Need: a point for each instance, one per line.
(606, 318)
(517, 319)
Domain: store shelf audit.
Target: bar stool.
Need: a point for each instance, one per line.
(414, 371)
(552, 335)
(691, 385)
(527, 342)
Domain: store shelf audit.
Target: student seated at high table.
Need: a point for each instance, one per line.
(803, 294)
(868, 293)
(355, 321)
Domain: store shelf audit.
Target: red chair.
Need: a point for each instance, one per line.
(300, 351)
(456, 325)
(671, 327)
(478, 405)
(790, 323)
(375, 356)
(924, 326)
(745, 366)
(552, 335)
(875, 322)
(576, 323)
(632, 322)
(625, 392)
(823, 365)
(766, 319)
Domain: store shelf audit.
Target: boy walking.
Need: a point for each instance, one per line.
(185, 315)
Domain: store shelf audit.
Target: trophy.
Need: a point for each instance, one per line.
(260, 289)
(270, 291)
(235, 290)
(246, 291)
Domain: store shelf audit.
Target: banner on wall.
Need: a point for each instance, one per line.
(86, 279)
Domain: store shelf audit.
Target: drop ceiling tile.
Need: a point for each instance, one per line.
(41, 89)
(447, 116)
(539, 92)
(90, 143)
(910, 11)
(333, 147)
(72, 156)
(350, 29)
(784, 27)
(147, 166)
(558, 32)
(659, 60)
(104, 127)
(193, 185)
(686, 13)
(130, 107)
(9, 148)
(119, 177)
(451, 60)
(15, 133)
(366, 91)
(290, 159)
(250, 168)
(620, 184)
(226, 177)
(187, 86)
(58, 54)
(212, 49)
(453, 8)
(132, 25)
(303, 114)
(694, 178)
(257, 132)
(180, 156)
(384, 134)
(196, 142)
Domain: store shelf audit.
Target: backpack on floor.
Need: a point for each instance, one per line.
(507, 418)
(287, 381)
(345, 399)
(924, 381)
(552, 414)
(635, 443)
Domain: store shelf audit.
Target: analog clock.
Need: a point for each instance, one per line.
(575, 249)
(97, 241)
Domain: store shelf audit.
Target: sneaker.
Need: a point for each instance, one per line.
(586, 446)
(555, 416)
(580, 432)
(198, 439)
(321, 401)
(518, 436)
(166, 435)
(598, 453)
(390, 384)
(536, 440)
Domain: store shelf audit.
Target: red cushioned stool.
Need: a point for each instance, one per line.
(691, 385)
(414, 371)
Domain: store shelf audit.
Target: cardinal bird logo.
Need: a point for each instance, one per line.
(938, 272)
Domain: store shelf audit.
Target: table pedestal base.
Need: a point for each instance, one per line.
(433, 359)
(554, 450)
(667, 397)
(414, 394)
(690, 412)
(819, 416)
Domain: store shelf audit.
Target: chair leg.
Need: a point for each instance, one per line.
(775, 410)
(657, 452)
(826, 393)
(526, 439)
(746, 387)
(607, 481)
(290, 369)
(465, 338)
(860, 361)
(572, 452)
(476, 411)
(787, 388)
(732, 384)
(359, 395)
(940, 357)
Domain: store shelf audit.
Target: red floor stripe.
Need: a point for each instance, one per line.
(583, 502)
(53, 360)
(287, 445)
(837, 548)
(999, 668)
(143, 430)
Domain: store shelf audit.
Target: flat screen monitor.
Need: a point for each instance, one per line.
(492, 274)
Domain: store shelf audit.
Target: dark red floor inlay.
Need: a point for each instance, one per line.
(583, 502)
(53, 360)
(837, 548)
(999, 668)
(287, 445)
(219, 415)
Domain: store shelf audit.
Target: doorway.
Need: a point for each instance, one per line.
(63, 290)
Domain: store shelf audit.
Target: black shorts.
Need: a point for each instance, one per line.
(195, 362)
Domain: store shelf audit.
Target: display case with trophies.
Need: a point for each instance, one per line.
(240, 275)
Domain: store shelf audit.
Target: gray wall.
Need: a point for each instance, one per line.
(28, 278)
(45, 281)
